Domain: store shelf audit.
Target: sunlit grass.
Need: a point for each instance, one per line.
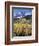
(23, 29)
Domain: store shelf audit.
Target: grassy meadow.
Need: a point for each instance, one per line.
(22, 27)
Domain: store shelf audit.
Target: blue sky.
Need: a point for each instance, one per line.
(17, 12)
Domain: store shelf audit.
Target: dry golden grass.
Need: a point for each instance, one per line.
(25, 29)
